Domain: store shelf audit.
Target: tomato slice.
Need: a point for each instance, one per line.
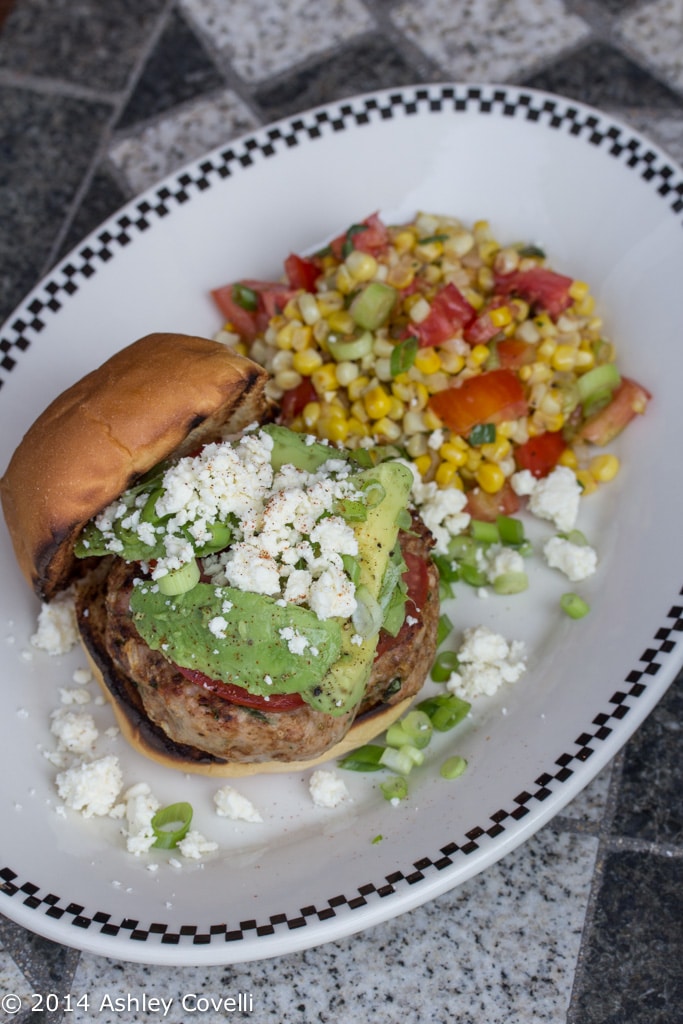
(301, 273)
(487, 398)
(540, 454)
(485, 506)
(238, 695)
(628, 401)
(271, 298)
(450, 312)
(539, 286)
(417, 582)
(369, 235)
(294, 401)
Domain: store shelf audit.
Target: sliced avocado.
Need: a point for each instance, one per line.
(239, 637)
(298, 450)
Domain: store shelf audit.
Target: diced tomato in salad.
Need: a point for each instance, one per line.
(513, 353)
(490, 397)
(540, 454)
(302, 273)
(369, 235)
(487, 507)
(270, 298)
(295, 400)
(539, 286)
(628, 401)
(450, 312)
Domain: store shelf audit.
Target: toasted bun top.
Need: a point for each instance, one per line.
(164, 394)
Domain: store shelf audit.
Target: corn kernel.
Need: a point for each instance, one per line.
(357, 428)
(324, 379)
(396, 409)
(341, 322)
(586, 306)
(419, 310)
(546, 350)
(287, 379)
(604, 467)
(291, 310)
(423, 464)
(308, 308)
(488, 250)
(578, 290)
(451, 362)
(334, 429)
(427, 361)
(490, 477)
(585, 360)
(361, 265)
(445, 474)
(501, 316)
(359, 412)
(453, 453)
(306, 361)
(432, 421)
(387, 429)
(356, 387)
(587, 481)
(377, 402)
(402, 274)
(301, 337)
(478, 355)
(486, 279)
(474, 297)
(404, 241)
(473, 459)
(496, 450)
(564, 358)
(285, 335)
(311, 414)
(553, 422)
(568, 458)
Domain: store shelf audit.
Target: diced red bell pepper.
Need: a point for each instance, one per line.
(294, 401)
(485, 506)
(540, 454)
(540, 287)
(487, 398)
(628, 401)
(450, 312)
(302, 273)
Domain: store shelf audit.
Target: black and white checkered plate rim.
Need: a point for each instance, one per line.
(139, 216)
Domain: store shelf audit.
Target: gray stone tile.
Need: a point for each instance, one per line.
(91, 43)
(35, 205)
(158, 149)
(655, 32)
(102, 199)
(484, 40)
(261, 38)
(633, 961)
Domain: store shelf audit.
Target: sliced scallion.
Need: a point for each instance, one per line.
(596, 381)
(364, 759)
(510, 583)
(403, 356)
(443, 629)
(510, 530)
(179, 581)
(400, 759)
(484, 532)
(171, 824)
(372, 306)
(245, 297)
(395, 788)
(445, 710)
(482, 433)
(350, 349)
(453, 767)
(445, 664)
(574, 606)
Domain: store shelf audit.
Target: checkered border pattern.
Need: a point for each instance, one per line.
(141, 215)
(620, 703)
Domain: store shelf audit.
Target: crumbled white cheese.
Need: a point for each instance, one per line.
(57, 631)
(576, 561)
(91, 787)
(232, 804)
(555, 496)
(502, 560)
(76, 731)
(486, 661)
(74, 696)
(194, 845)
(327, 788)
(140, 807)
(441, 509)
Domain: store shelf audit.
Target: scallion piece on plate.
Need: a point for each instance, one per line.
(453, 767)
(445, 663)
(574, 606)
(171, 824)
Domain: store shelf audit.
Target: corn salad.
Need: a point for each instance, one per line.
(469, 356)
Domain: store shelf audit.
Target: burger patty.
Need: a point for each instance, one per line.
(171, 711)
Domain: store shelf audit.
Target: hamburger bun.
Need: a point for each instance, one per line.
(163, 395)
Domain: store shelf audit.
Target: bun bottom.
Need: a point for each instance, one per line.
(149, 740)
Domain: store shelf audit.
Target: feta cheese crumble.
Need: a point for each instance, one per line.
(576, 561)
(554, 497)
(327, 789)
(232, 804)
(486, 661)
(195, 845)
(57, 631)
(76, 731)
(91, 787)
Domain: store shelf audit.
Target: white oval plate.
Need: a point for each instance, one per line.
(607, 206)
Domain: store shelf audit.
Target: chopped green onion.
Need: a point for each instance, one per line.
(364, 759)
(533, 251)
(348, 244)
(448, 569)
(445, 664)
(574, 606)
(403, 356)
(445, 710)
(463, 548)
(372, 306)
(378, 838)
(351, 568)
(483, 532)
(395, 788)
(432, 238)
(453, 767)
(475, 577)
(598, 381)
(575, 537)
(443, 629)
(374, 493)
(352, 510)
(510, 530)
(179, 581)
(171, 824)
(221, 535)
(400, 760)
(483, 433)
(351, 349)
(511, 583)
(245, 297)
(417, 726)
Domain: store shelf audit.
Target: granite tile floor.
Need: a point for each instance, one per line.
(583, 924)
